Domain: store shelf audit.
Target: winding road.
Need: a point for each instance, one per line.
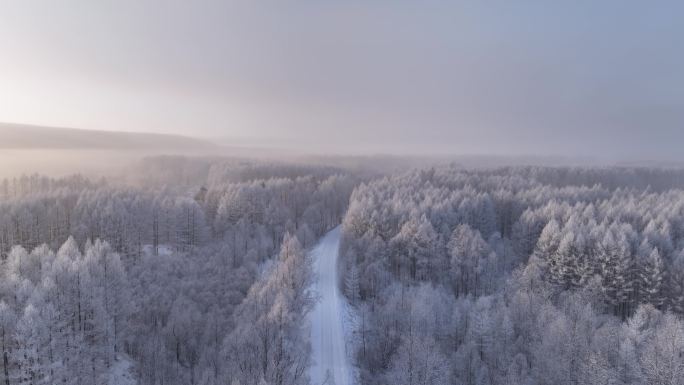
(330, 362)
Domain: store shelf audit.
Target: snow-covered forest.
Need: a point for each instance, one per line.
(198, 271)
(241, 192)
(197, 276)
(518, 276)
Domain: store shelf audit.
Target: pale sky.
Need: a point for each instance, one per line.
(589, 78)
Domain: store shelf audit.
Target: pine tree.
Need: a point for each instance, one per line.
(351, 285)
(548, 243)
(675, 286)
(29, 347)
(564, 264)
(652, 280)
(617, 273)
(466, 249)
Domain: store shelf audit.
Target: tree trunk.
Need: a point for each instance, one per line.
(5, 364)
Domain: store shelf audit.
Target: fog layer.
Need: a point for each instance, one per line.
(580, 78)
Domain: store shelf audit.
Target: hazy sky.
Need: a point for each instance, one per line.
(602, 78)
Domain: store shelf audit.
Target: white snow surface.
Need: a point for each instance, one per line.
(164, 250)
(331, 364)
(121, 373)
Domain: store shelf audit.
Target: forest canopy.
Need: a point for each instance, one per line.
(197, 271)
(518, 276)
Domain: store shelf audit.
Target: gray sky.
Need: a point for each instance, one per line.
(591, 78)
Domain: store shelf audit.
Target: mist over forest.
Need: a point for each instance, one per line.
(179, 261)
(244, 192)
(182, 269)
(29, 149)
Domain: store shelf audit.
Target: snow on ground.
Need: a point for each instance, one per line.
(121, 373)
(329, 319)
(164, 250)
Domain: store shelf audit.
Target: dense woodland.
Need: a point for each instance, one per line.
(196, 270)
(184, 273)
(518, 276)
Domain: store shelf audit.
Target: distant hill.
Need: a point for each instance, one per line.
(20, 137)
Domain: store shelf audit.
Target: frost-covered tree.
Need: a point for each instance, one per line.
(546, 269)
(467, 252)
(652, 277)
(351, 285)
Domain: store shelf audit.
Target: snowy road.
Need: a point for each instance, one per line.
(330, 362)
